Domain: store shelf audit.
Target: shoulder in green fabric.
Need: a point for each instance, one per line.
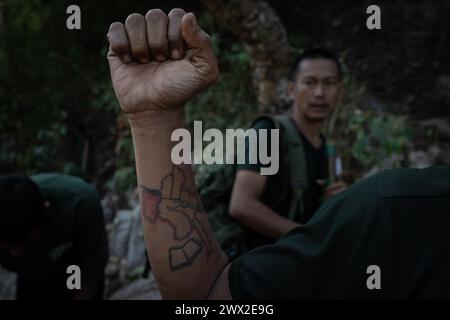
(397, 219)
(58, 184)
(66, 193)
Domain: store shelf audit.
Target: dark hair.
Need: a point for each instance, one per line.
(21, 208)
(318, 53)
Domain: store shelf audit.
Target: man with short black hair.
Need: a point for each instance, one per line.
(271, 206)
(49, 222)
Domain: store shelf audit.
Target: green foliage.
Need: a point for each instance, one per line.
(230, 103)
(367, 136)
(378, 137)
(57, 107)
(124, 178)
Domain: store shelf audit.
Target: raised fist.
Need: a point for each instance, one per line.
(159, 62)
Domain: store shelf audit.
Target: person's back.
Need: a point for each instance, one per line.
(396, 221)
(70, 231)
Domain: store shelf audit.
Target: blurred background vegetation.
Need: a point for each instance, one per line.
(58, 111)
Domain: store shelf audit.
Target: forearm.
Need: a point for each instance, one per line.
(260, 218)
(184, 255)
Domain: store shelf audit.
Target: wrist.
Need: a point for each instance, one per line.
(157, 119)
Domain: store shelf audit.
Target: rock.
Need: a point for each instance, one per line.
(110, 206)
(7, 285)
(441, 125)
(120, 232)
(127, 250)
(420, 159)
(136, 244)
(127, 240)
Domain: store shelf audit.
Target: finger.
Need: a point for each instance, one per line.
(135, 28)
(198, 40)
(118, 42)
(156, 22)
(114, 63)
(176, 43)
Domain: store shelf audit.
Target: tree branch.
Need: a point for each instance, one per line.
(261, 31)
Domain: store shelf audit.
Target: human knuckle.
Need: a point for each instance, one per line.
(176, 12)
(158, 44)
(119, 47)
(134, 18)
(207, 41)
(174, 39)
(156, 14)
(140, 50)
(115, 26)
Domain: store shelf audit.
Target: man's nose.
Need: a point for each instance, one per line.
(319, 91)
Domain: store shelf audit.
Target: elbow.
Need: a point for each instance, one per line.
(237, 209)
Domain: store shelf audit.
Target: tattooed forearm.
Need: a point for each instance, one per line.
(180, 257)
(180, 208)
(150, 200)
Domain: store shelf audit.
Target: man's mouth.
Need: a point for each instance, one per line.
(320, 106)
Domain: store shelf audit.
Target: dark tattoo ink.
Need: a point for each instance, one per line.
(180, 257)
(180, 208)
(150, 199)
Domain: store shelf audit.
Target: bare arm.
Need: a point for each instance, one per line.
(187, 261)
(246, 206)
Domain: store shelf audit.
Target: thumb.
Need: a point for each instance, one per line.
(113, 60)
(197, 40)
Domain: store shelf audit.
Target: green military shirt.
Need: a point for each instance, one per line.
(397, 220)
(74, 231)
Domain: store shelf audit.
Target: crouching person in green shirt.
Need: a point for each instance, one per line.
(48, 223)
(385, 237)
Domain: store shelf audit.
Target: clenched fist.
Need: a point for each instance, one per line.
(159, 62)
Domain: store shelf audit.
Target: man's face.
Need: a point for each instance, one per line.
(317, 89)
